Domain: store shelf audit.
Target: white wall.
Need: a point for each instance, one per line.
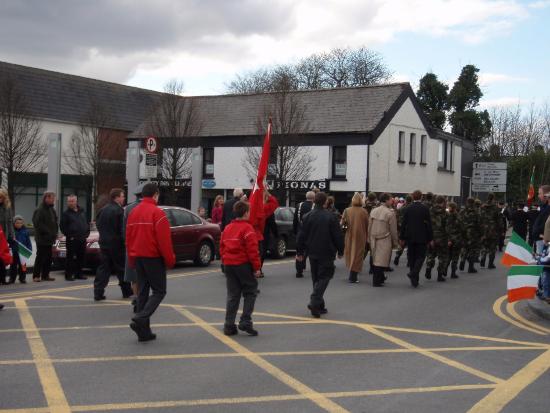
(66, 130)
(388, 175)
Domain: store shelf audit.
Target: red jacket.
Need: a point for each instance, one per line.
(239, 244)
(148, 233)
(269, 208)
(217, 213)
(5, 254)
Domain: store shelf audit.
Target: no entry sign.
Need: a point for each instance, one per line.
(151, 144)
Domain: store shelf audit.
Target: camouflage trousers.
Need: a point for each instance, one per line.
(455, 252)
(441, 252)
(489, 247)
(470, 252)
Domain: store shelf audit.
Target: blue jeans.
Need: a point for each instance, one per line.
(546, 282)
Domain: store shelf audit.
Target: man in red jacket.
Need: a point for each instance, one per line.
(150, 252)
(239, 251)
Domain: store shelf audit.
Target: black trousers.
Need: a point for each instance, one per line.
(321, 273)
(263, 246)
(151, 276)
(377, 275)
(112, 261)
(301, 265)
(3, 273)
(43, 262)
(240, 281)
(416, 254)
(76, 249)
(16, 268)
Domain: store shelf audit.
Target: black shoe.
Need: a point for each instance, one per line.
(428, 274)
(471, 269)
(69, 278)
(440, 278)
(80, 277)
(389, 269)
(353, 281)
(11, 281)
(378, 285)
(482, 262)
(453, 275)
(414, 282)
(314, 312)
(143, 331)
(396, 261)
(1, 306)
(148, 337)
(99, 297)
(299, 275)
(23, 281)
(323, 311)
(230, 330)
(462, 265)
(491, 265)
(127, 294)
(248, 329)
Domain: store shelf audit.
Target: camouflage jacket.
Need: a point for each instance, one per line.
(471, 224)
(369, 206)
(439, 223)
(455, 228)
(491, 220)
(400, 212)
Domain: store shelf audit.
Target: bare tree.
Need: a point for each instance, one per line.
(21, 145)
(96, 146)
(176, 117)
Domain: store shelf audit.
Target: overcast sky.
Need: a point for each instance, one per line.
(206, 42)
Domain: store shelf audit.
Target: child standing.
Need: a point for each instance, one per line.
(239, 251)
(22, 237)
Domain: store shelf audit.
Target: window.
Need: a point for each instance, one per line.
(423, 149)
(401, 153)
(208, 162)
(272, 165)
(442, 155)
(339, 161)
(451, 156)
(179, 218)
(412, 148)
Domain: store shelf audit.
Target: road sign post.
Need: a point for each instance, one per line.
(149, 159)
(489, 177)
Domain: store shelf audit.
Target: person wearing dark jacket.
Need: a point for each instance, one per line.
(228, 215)
(416, 232)
(150, 252)
(544, 212)
(299, 213)
(45, 224)
(76, 228)
(109, 224)
(19, 265)
(321, 239)
(519, 220)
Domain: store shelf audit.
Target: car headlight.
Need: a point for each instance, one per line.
(94, 245)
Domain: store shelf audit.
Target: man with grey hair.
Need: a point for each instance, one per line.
(299, 214)
(228, 214)
(76, 228)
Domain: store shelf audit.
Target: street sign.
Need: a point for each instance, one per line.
(148, 165)
(488, 188)
(489, 176)
(490, 165)
(151, 145)
(208, 183)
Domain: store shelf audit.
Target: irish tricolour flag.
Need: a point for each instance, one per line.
(24, 255)
(523, 282)
(518, 252)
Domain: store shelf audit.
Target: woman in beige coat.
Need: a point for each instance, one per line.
(356, 221)
(382, 237)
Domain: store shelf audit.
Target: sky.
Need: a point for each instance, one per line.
(205, 43)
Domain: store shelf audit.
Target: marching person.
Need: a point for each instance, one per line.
(109, 224)
(150, 252)
(400, 212)
(456, 237)
(471, 222)
(356, 221)
(299, 213)
(76, 229)
(270, 205)
(416, 232)
(19, 266)
(440, 250)
(491, 221)
(239, 251)
(45, 224)
(321, 237)
(382, 231)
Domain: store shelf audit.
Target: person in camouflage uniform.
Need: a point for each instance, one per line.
(371, 202)
(430, 253)
(491, 222)
(456, 237)
(440, 250)
(471, 224)
(400, 212)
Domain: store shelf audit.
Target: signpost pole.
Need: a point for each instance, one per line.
(54, 167)
(196, 178)
(132, 168)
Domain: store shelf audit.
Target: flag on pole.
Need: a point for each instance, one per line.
(523, 282)
(531, 192)
(24, 255)
(518, 252)
(257, 196)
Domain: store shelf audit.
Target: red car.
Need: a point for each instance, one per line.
(192, 237)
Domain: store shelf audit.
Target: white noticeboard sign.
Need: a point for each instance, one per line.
(490, 165)
(489, 177)
(148, 165)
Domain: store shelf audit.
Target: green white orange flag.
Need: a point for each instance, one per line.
(523, 282)
(24, 254)
(518, 252)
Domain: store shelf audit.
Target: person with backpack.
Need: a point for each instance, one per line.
(303, 209)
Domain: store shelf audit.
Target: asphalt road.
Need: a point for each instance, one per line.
(444, 347)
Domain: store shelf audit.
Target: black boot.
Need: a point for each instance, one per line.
(453, 272)
(482, 261)
(491, 265)
(471, 269)
(462, 265)
(428, 274)
(440, 277)
(353, 277)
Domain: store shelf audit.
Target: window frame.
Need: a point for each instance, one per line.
(401, 147)
(442, 155)
(340, 160)
(412, 148)
(423, 149)
(206, 162)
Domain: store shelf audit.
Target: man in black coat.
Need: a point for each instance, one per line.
(519, 220)
(321, 238)
(544, 212)
(416, 232)
(109, 224)
(45, 224)
(299, 213)
(228, 215)
(76, 229)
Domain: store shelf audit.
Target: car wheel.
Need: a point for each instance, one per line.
(280, 248)
(204, 254)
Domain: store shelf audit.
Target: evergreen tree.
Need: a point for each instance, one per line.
(432, 95)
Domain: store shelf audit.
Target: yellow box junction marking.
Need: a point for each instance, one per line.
(497, 310)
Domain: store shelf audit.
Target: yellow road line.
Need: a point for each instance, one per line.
(505, 392)
(497, 310)
(257, 399)
(269, 368)
(511, 308)
(51, 385)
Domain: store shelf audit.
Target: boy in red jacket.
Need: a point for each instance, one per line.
(5, 257)
(239, 251)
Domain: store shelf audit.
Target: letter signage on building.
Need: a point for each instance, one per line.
(323, 185)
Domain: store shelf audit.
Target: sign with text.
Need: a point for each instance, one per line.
(489, 176)
(490, 165)
(488, 188)
(323, 185)
(148, 166)
(151, 144)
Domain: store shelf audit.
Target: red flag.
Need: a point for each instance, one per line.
(531, 192)
(257, 196)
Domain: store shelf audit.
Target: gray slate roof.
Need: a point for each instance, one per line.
(344, 110)
(58, 96)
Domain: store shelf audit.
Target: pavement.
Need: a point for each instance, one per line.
(456, 346)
